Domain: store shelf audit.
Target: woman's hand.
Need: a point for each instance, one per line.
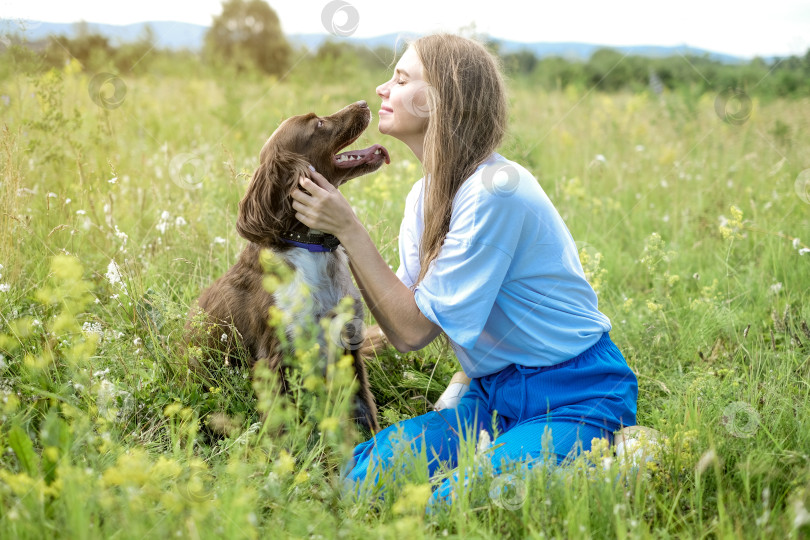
(323, 207)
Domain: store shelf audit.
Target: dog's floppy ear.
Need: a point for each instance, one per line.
(266, 209)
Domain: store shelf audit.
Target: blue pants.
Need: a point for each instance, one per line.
(590, 395)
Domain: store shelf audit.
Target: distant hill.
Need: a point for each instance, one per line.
(168, 34)
(180, 35)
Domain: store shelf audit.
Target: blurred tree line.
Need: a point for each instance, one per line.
(247, 40)
(610, 70)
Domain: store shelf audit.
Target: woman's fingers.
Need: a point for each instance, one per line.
(319, 205)
(304, 219)
(320, 180)
(299, 195)
(308, 185)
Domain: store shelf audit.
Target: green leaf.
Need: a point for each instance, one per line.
(24, 449)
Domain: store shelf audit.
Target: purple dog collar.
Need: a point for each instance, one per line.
(313, 242)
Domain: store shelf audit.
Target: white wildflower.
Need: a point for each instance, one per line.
(223, 338)
(776, 287)
(600, 158)
(89, 328)
(3, 364)
(804, 251)
(484, 442)
(796, 243)
(137, 342)
(52, 195)
(802, 516)
(219, 240)
(113, 180)
(179, 221)
(163, 224)
(80, 212)
(113, 275)
(639, 148)
(5, 287)
(67, 201)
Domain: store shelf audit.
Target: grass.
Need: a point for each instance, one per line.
(690, 229)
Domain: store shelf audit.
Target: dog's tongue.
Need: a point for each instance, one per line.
(352, 158)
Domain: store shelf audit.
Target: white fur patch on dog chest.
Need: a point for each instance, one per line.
(320, 282)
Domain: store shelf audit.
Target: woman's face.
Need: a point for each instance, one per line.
(404, 110)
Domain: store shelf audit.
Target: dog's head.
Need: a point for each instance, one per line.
(266, 209)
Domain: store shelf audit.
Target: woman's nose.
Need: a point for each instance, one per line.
(382, 90)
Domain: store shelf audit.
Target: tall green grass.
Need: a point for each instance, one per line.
(114, 217)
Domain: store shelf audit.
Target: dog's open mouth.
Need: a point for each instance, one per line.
(355, 158)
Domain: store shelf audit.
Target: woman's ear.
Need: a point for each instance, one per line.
(266, 209)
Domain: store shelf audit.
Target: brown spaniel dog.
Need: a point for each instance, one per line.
(235, 308)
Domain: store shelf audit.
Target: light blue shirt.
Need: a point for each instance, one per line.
(507, 286)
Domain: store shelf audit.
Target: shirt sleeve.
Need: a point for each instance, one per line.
(460, 289)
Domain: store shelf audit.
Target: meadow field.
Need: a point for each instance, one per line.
(118, 201)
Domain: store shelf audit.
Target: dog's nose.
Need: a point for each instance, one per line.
(362, 104)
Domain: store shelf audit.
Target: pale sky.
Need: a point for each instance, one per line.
(776, 27)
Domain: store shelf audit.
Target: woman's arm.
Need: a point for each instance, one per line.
(392, 303)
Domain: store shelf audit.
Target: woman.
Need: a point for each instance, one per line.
(486, 259)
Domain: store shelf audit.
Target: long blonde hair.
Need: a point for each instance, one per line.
(466, 99)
